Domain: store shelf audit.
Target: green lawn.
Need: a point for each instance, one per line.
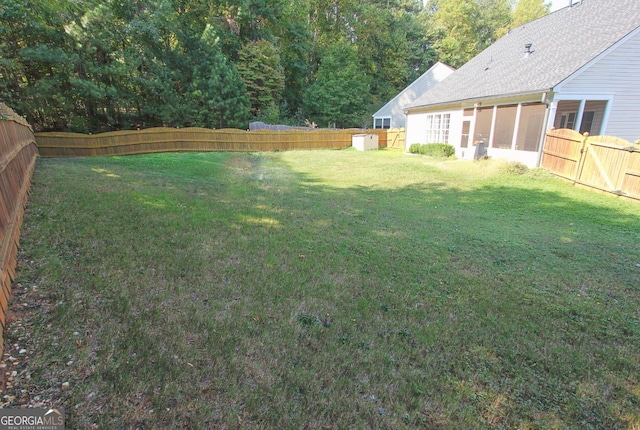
(325, 289)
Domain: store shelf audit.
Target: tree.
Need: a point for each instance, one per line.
(94, 66)
(260, 69)
(391, 45)
(294, 35)
(35, 63)
(460, 29)
(495, 21)
(99, 74)
(340, 93)
(217, 95)
(455, 32)
(91, 65)
(528, 10)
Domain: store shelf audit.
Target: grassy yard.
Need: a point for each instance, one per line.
(322, 290)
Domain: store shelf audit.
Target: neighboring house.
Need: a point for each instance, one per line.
(577, 68)
(392, 114)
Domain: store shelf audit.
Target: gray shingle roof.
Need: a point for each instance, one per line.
(562, 42)
(421, 85)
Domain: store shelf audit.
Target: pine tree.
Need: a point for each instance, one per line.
(263, 75)
(340, 93)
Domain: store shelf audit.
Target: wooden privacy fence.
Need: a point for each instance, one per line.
(395, 138)
(193, 139)
(18, 154)
(603, 162)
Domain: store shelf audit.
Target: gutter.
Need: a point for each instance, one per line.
(472, 101)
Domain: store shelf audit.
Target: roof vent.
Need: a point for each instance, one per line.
(527, 50)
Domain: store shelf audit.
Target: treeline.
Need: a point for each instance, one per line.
(99, 65)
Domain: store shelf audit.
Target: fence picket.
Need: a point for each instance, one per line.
(18, 154)
(162, 139)
(603, 162)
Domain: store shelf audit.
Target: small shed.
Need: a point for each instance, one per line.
(364, 142)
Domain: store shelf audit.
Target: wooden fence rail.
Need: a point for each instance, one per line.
(18, 154)
(193, 139)
(396, 138)
(603, 162)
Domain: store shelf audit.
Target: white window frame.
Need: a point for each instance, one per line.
(382, 120)
(565, 121)
(437, 128)
(583, 98)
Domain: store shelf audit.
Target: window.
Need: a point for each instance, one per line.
(505, 122)
(438, 128)
(464, 139)
(484, 116)
(587, 122)
(530, 128)
(382, 122)
(568, 120)
(594, 111)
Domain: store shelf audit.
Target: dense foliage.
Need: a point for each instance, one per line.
(101, 65)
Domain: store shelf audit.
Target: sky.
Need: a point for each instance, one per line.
(559, 4)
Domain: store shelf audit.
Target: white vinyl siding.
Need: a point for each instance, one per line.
(615, 74)
(416, 130)
(394, 109)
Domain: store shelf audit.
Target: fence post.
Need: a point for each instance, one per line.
(583, 155)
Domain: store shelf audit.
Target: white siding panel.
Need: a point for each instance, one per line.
(416, 130)
(416, 127)
(455, 132)
(617, 73)
(528, 158)
(395, 107)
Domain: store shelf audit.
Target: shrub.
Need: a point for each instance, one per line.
(414, 148)
(441, 150)
(516, 168)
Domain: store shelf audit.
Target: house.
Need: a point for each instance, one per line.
(392, 114)
(577, 68)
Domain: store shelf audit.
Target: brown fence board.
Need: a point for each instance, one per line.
(599, 163)
(631, 179)
(193, 139)
(562, 152)
(603, 162)
(396, 138)
(18, 154)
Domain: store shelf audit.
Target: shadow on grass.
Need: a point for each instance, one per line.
(249, 293)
